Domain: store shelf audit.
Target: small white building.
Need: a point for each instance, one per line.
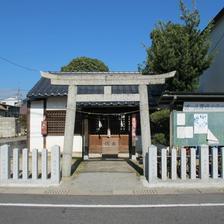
(11, 101)
(213, 78)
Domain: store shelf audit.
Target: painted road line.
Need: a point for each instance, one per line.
(111, 206)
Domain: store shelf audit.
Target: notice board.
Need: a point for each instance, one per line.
(196, 128)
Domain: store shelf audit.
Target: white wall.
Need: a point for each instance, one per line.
(59, 140)
(212, 80)
(56, 103)
(36, 116)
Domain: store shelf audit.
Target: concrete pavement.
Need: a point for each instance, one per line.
(167, 209)
(104, 177)
(187, 215)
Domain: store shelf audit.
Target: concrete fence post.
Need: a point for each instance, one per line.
(34, 164)
(55, 164)
(193, 163)
(5, 162)
(164, 164)
(222, 161)
(214, 162)
(173, 164)
(15, 164)
(25, 162)
(152, 163)
(44, 164)
(204, 162)
(183, 163)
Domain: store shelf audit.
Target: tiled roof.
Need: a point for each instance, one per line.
(43, 88)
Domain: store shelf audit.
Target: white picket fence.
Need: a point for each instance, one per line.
(12, 174)
(170, 165)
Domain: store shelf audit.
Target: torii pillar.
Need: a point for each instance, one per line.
(69, 131)
(145, 121)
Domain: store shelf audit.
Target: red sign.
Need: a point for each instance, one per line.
(44, 128)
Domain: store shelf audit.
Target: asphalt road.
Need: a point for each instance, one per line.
(169, 209)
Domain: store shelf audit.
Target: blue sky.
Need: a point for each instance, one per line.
(47, 34)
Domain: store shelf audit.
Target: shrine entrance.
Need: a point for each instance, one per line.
(109, 146)
(110, 132)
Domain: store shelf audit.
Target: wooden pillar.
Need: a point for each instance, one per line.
(145, 121)
(86, 139)
(130, 137)
(69, 131)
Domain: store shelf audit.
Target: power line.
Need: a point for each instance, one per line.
(19, 65)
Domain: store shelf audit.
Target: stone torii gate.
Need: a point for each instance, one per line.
(106, 79)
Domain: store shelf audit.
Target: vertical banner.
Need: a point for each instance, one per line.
(134, 125)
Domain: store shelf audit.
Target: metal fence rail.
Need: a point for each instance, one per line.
(12, 174)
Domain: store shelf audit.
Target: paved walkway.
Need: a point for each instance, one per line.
(104, 177)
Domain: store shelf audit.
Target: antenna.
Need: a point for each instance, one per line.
(19, 96)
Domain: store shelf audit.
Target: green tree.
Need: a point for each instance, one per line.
(160, 126)
(181, 47)
(85, 64)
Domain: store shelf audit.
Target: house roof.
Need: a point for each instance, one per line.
(216, 19)
(218, 16)
(3, 107)
(43, 88)
(171, 98)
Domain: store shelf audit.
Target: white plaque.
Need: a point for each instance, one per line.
(184, 132)
(200, 123)
(180, 119)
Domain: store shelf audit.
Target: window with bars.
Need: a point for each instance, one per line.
(56, 122)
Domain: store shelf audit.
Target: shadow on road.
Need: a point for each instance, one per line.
(75, 165)
(135, 166)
